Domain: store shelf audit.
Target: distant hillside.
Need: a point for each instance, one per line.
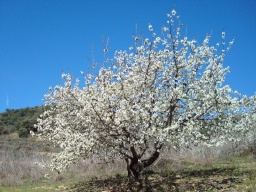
(19, 120)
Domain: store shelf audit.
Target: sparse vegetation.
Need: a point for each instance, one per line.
(190, 170)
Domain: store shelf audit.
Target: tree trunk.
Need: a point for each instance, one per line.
(151, 159)
(136, 166)
(254, 153)
(135, 170)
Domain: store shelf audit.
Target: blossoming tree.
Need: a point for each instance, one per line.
(166, 90)
(249, 122)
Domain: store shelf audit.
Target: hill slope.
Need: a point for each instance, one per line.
(19, 120)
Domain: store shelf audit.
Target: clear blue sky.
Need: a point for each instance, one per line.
(41, 38)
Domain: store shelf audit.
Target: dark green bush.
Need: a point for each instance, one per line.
(23, 132)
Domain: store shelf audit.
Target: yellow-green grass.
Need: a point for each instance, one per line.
(37, 187)
(235, 174)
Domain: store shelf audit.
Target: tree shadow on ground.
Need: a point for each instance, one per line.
(191, 180)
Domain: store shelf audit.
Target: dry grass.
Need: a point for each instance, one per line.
(19, 158)
(199, 169)
(17, 161)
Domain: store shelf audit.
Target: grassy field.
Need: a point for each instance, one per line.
(18, 173)
(236, 174)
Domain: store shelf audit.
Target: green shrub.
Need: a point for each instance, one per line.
(23, 132)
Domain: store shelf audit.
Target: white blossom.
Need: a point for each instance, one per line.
(150, 27)
(223, 35)
(173, 12)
